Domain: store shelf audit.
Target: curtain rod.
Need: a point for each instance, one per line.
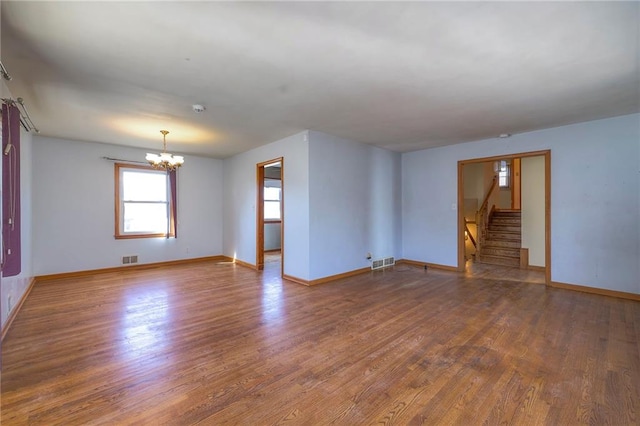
(4, 72)
(124, 161)
(25, 118)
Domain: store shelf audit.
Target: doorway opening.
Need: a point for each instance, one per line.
(270, 216)
(504, 212)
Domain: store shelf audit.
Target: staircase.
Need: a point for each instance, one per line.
(501, 245)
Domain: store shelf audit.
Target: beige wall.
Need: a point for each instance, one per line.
(474, 181)
(504, 198)
(533, 228)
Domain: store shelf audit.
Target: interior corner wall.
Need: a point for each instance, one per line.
(354, 192)
(240, 202)
(14, 288)
(594, 178)
(73, 209)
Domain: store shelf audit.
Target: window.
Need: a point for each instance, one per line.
(144, 203)
(504, 174)
(272, 200)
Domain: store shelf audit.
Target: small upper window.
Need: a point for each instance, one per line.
(504, 174)
(143, 206)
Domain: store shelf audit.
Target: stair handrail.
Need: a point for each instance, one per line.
(489, 192)
(482, 219)
(466, 228)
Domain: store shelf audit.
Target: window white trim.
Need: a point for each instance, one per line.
(120, 202)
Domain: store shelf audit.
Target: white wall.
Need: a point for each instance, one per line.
(595, 219)
(16, 286)
(73, 209)
(354, 204)
(341, 201)
(429, 205)
(240, 202)
(532, 208)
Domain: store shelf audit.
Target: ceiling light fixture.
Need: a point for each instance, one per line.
(504, 135)
(197, 108)
(165, 160)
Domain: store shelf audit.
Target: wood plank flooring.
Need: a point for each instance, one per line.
(215, 343)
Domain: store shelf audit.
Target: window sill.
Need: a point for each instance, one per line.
(134, 236)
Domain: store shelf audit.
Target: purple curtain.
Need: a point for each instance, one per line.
(173, 204)
(11, 259)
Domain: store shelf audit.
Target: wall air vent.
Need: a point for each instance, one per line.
(383, 263)
(377, 264)
(129, 259)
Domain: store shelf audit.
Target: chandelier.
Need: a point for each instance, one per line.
(165, 160)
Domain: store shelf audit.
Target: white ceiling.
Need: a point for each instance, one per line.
(403, 76)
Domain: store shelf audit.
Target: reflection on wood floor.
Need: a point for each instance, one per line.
(504, 273)
(217, 343)
(271, 258)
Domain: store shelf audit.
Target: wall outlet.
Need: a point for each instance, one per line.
(369, 256)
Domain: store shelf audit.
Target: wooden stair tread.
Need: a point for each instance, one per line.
(501, 256)
(498, 235)
(489, 244)
(513, 244)
(497, 255)
(503, 239)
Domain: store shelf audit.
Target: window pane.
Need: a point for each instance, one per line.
(503, 176)
(272, 194)
(145, 217)
(272, 209)
(144, 186)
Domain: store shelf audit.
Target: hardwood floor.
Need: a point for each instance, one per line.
(216, 343)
